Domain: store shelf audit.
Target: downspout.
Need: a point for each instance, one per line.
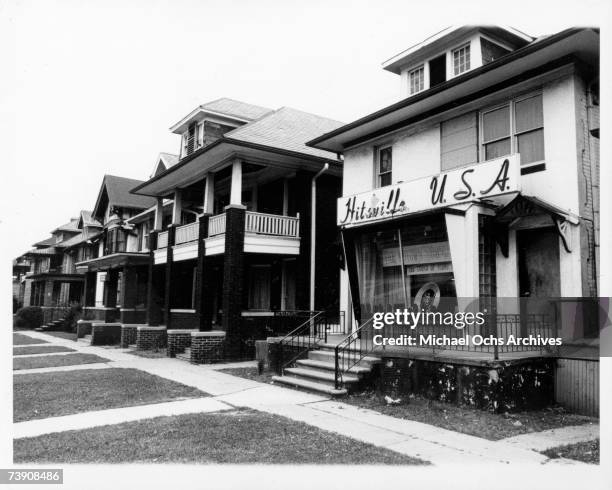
(313, 233)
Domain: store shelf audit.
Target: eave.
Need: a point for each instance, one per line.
(582, 44)
(211, 157)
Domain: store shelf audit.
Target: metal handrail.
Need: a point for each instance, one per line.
(306, 342)
(347, 345)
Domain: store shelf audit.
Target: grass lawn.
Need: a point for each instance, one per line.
(19, 339)
(40, 349)
(587, 452)
(467, 420)
(63, 335)
(55, 361)
(244, 436)
(37, 396)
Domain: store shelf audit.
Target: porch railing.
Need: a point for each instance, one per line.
(186, 233)
(305, 337)
(216, 225)
(352, 349)
(272, 224)
(162, 239)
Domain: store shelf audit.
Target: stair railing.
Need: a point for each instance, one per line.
(352, 349)
(303, 338)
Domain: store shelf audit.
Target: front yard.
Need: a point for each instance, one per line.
(463, 419)
(239, 437)
(38, 362)
(20, 339)
(39, 349)
(43, 395)
(587, 452)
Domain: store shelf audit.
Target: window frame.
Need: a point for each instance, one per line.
(511, 104)
(466, 46)
(377, 161)
(420, 68)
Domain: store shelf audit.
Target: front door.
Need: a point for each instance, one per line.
(259, 287)
(539, 274)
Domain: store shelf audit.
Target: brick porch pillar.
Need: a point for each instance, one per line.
(168, 278)
(233, 272)
(154, 285)
(204, 286)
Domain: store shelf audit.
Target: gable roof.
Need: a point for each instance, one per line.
(46, 242)
(287, 129)
(72, 225)
(116, 191)
(164, 162)
(86, 219)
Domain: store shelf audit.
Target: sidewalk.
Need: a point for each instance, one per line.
(416, 439)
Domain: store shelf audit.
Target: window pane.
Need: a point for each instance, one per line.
(498, 149)
(528, 114)
(385, 179)
(385, 160)
(496, 124)
(531, 146)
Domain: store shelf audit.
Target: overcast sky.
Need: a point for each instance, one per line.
(94, 86)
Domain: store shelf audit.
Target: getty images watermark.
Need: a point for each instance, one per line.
(406, 318)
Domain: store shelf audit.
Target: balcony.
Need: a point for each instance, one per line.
(264, 233)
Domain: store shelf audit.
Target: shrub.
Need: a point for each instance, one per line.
(29, 317)
(73, 315)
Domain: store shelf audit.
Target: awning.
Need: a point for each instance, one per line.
(114, 261)
(512, 208)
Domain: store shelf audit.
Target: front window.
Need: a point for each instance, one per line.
(384, 166)
(516, 127)
(417, 80)
(461, 59)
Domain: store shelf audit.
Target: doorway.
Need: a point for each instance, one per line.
(539, 273)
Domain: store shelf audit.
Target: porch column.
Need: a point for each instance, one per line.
(209, 194)
(159, 215)
(204, 286)
(128, 294)
(233, 277)
(236, 192)
(463, 242)
(154, 285)
(168, 278)
(177, 207)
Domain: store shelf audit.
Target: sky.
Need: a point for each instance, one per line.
(91, 87)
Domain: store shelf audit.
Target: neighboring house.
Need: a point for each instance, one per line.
(21, 266)
(52, 280)
(237, 248)
(115, 261)
(482, 182)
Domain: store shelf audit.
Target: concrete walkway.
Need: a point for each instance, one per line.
(74, 367)
(436, 445)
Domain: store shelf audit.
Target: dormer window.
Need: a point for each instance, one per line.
(461, 59)
(416, 78)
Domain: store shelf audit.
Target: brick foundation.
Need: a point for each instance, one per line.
(128, 335)
(83, 328)
(207, 347)
(499, 387)
(178, 341)
(105, 333)
(148, 338)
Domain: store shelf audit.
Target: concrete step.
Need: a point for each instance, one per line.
(305, 384)
(330, 366)
(132, 346)
(319, 375)
(329, 356)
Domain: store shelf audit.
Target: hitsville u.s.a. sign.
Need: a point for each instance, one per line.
(478, 181)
